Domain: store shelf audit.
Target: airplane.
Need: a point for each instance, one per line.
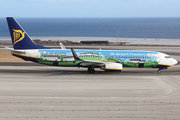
(107, 60)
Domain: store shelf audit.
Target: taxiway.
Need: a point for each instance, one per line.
(45, 92)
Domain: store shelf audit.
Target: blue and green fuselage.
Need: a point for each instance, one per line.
(126, 58)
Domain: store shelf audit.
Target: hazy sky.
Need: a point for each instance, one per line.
(90, 8)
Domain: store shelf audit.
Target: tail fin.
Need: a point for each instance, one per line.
(19, 37)
(75, 55)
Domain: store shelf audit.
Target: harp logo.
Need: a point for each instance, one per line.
(18, 36)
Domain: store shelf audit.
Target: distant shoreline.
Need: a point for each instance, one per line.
(128, 41)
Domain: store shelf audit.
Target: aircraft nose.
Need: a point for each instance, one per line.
(174, 62)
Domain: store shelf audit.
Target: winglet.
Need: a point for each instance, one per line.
(62, 46)
(75, 55)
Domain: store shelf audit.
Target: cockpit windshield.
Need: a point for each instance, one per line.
(167, 57)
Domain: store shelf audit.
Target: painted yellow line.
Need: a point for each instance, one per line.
(24, 55)
(174, 68)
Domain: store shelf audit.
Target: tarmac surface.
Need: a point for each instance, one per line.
(30, 91)
(45, 92)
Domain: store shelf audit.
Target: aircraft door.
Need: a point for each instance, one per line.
(158, 58)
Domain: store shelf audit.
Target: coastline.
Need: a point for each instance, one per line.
(128, 41)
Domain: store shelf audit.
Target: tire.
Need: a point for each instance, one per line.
(91, 70)
(159, 71)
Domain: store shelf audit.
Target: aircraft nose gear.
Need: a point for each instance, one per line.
(159, 71)
(91, 70)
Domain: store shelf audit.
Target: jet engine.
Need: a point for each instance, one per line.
(112, 67)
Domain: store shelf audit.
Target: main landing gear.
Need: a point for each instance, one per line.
(91, 70)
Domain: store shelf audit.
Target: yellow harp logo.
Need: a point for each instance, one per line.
(18, 35)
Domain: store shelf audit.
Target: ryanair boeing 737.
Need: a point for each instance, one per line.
(108, 60)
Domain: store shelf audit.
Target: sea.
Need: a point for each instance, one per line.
(157, 28)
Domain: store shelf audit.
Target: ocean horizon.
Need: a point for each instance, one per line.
(156, 28)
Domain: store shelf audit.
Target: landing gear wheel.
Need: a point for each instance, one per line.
(91, 70)
(159, 71)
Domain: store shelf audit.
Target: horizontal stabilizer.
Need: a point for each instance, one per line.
(15, 51)
(8, 48)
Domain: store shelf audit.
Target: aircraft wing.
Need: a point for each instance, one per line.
(96, 63)
(89, 62)
(107, 66)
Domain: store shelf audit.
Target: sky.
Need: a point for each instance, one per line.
(89, 8)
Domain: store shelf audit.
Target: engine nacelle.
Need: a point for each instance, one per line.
(112, 67)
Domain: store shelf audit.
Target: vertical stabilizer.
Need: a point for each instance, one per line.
(19, 37)
(75, 54)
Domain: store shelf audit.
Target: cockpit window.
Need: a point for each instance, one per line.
(167, 57)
